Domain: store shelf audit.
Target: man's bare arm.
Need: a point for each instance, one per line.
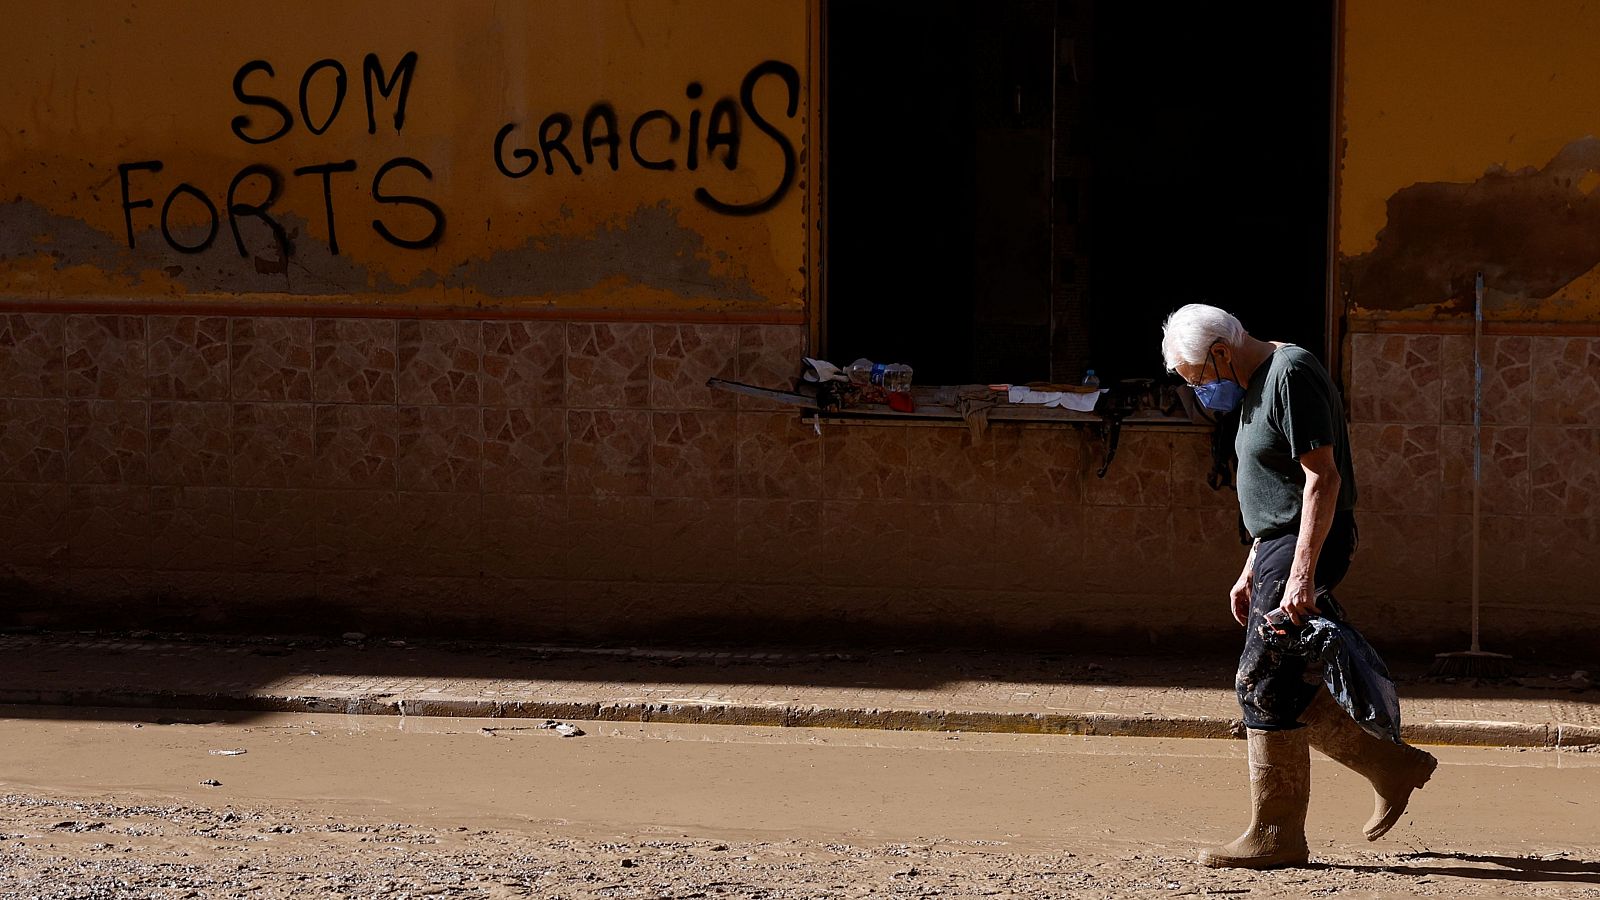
(1318, 503)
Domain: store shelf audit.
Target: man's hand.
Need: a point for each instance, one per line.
(1299, 598)
(1240, 595)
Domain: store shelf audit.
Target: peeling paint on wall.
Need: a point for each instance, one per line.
(1465, 144)
(1535, 234)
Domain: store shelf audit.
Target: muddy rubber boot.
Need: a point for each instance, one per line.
(1280, 788)
(1395, 770)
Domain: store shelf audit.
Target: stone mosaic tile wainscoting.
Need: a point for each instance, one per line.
(1411, 396)
(546, 480)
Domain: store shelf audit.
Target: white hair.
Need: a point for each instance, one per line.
(1188, 334)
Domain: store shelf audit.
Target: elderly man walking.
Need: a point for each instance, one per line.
(1297, 494)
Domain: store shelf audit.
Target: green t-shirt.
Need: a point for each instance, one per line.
(1291, 407)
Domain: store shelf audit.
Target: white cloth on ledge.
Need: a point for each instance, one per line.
(1073, 400)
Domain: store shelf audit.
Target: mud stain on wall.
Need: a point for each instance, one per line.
(35, 240)
(649, 247)
(1532, 232)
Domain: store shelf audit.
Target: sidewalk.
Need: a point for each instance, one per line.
(1142, 697)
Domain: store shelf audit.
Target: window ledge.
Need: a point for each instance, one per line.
(935, 407)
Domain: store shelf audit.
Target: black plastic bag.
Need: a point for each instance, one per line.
(1352, 670)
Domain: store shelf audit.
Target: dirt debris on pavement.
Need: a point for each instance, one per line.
(564, 729)
(375, 807)
(113, 849)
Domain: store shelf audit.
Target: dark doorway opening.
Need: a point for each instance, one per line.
(938, 185)
(1017, 190)
(1210, 149)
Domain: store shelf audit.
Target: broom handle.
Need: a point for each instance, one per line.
(1477, 443)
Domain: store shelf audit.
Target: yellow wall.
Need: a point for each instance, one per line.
(92, 86)
(1464, 126)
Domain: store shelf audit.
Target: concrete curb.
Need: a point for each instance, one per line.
(1459, 733)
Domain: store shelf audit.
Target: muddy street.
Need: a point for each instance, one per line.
(115, 805)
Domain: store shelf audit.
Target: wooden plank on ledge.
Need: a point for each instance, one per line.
(750, 390)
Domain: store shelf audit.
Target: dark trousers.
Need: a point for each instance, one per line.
(1275, 688)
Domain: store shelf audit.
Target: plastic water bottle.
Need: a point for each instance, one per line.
(893, 377)
(1090, 379)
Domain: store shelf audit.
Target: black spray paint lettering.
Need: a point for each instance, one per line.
(259, 210)
(166, 228)
(599, 136)
(550, 146)
(241, 122)
(432, 208)
(341, 86)
(601, 113)
(396, 85)
(403, 73)
(654, 128)
(500, 157)
(326, 170)
(128, 206)
(747, 97)
(724, 132)
(236, 209)
(664, 165)
(693, 92)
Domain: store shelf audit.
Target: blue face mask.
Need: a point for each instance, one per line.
(1221, 396)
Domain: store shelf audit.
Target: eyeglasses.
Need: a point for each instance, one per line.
(1195, 384)
(1211, 359)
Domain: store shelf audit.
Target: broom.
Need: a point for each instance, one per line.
(1475, 662)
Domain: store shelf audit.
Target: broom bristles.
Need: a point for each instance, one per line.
(1470, 664)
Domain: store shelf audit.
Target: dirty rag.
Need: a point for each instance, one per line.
(974, 403)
